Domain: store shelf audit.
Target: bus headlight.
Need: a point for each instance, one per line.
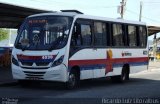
(58, 61)
(14, 61)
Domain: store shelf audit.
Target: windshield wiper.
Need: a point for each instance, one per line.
(52, 47)
(54, 44)
(23, 48)
(19, 46)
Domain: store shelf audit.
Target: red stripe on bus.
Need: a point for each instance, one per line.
(24, 57)
(107, 61)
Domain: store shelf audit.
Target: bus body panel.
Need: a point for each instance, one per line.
(94, 62)
(97, 63)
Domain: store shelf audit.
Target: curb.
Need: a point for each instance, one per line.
(146, 71)
(152, 70)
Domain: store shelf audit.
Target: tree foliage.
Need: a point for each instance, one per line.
(4, 34)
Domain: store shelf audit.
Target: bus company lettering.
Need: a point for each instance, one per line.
(126, 53)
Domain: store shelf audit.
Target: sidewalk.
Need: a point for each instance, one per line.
(154, 64)
(6, 76)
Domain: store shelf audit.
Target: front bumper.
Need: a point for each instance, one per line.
(57, 73)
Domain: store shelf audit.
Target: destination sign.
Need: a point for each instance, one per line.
(37, 21)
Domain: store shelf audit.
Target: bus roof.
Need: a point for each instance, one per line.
(79, 15)
(70, 14)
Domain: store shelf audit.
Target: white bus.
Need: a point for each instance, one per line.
(69, 46)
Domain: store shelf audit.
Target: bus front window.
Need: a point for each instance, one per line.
(44, 33)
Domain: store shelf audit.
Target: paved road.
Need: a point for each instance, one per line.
(141, 85)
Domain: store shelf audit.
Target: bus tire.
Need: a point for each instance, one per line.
(127, 76)
(73, 80)
(125, 73)
(123, 77)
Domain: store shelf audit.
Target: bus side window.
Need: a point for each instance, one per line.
(100, 34)
(86, 35)
(142, 36)
(132, 35)
(117, 30)
(76, 36)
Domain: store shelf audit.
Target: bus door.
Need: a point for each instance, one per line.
(81, 47)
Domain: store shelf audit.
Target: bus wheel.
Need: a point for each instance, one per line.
(119, 78)
(125, 74)
(123, 77)
(73, 80)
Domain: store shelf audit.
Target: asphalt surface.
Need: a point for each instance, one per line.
(141, 85)
(142, 88)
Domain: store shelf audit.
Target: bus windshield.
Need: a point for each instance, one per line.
(44, 33)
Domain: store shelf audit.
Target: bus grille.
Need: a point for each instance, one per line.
(37, 63)
(42, 63)
(27, 63)
(34, 75)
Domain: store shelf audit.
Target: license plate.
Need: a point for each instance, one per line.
(33, 78)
